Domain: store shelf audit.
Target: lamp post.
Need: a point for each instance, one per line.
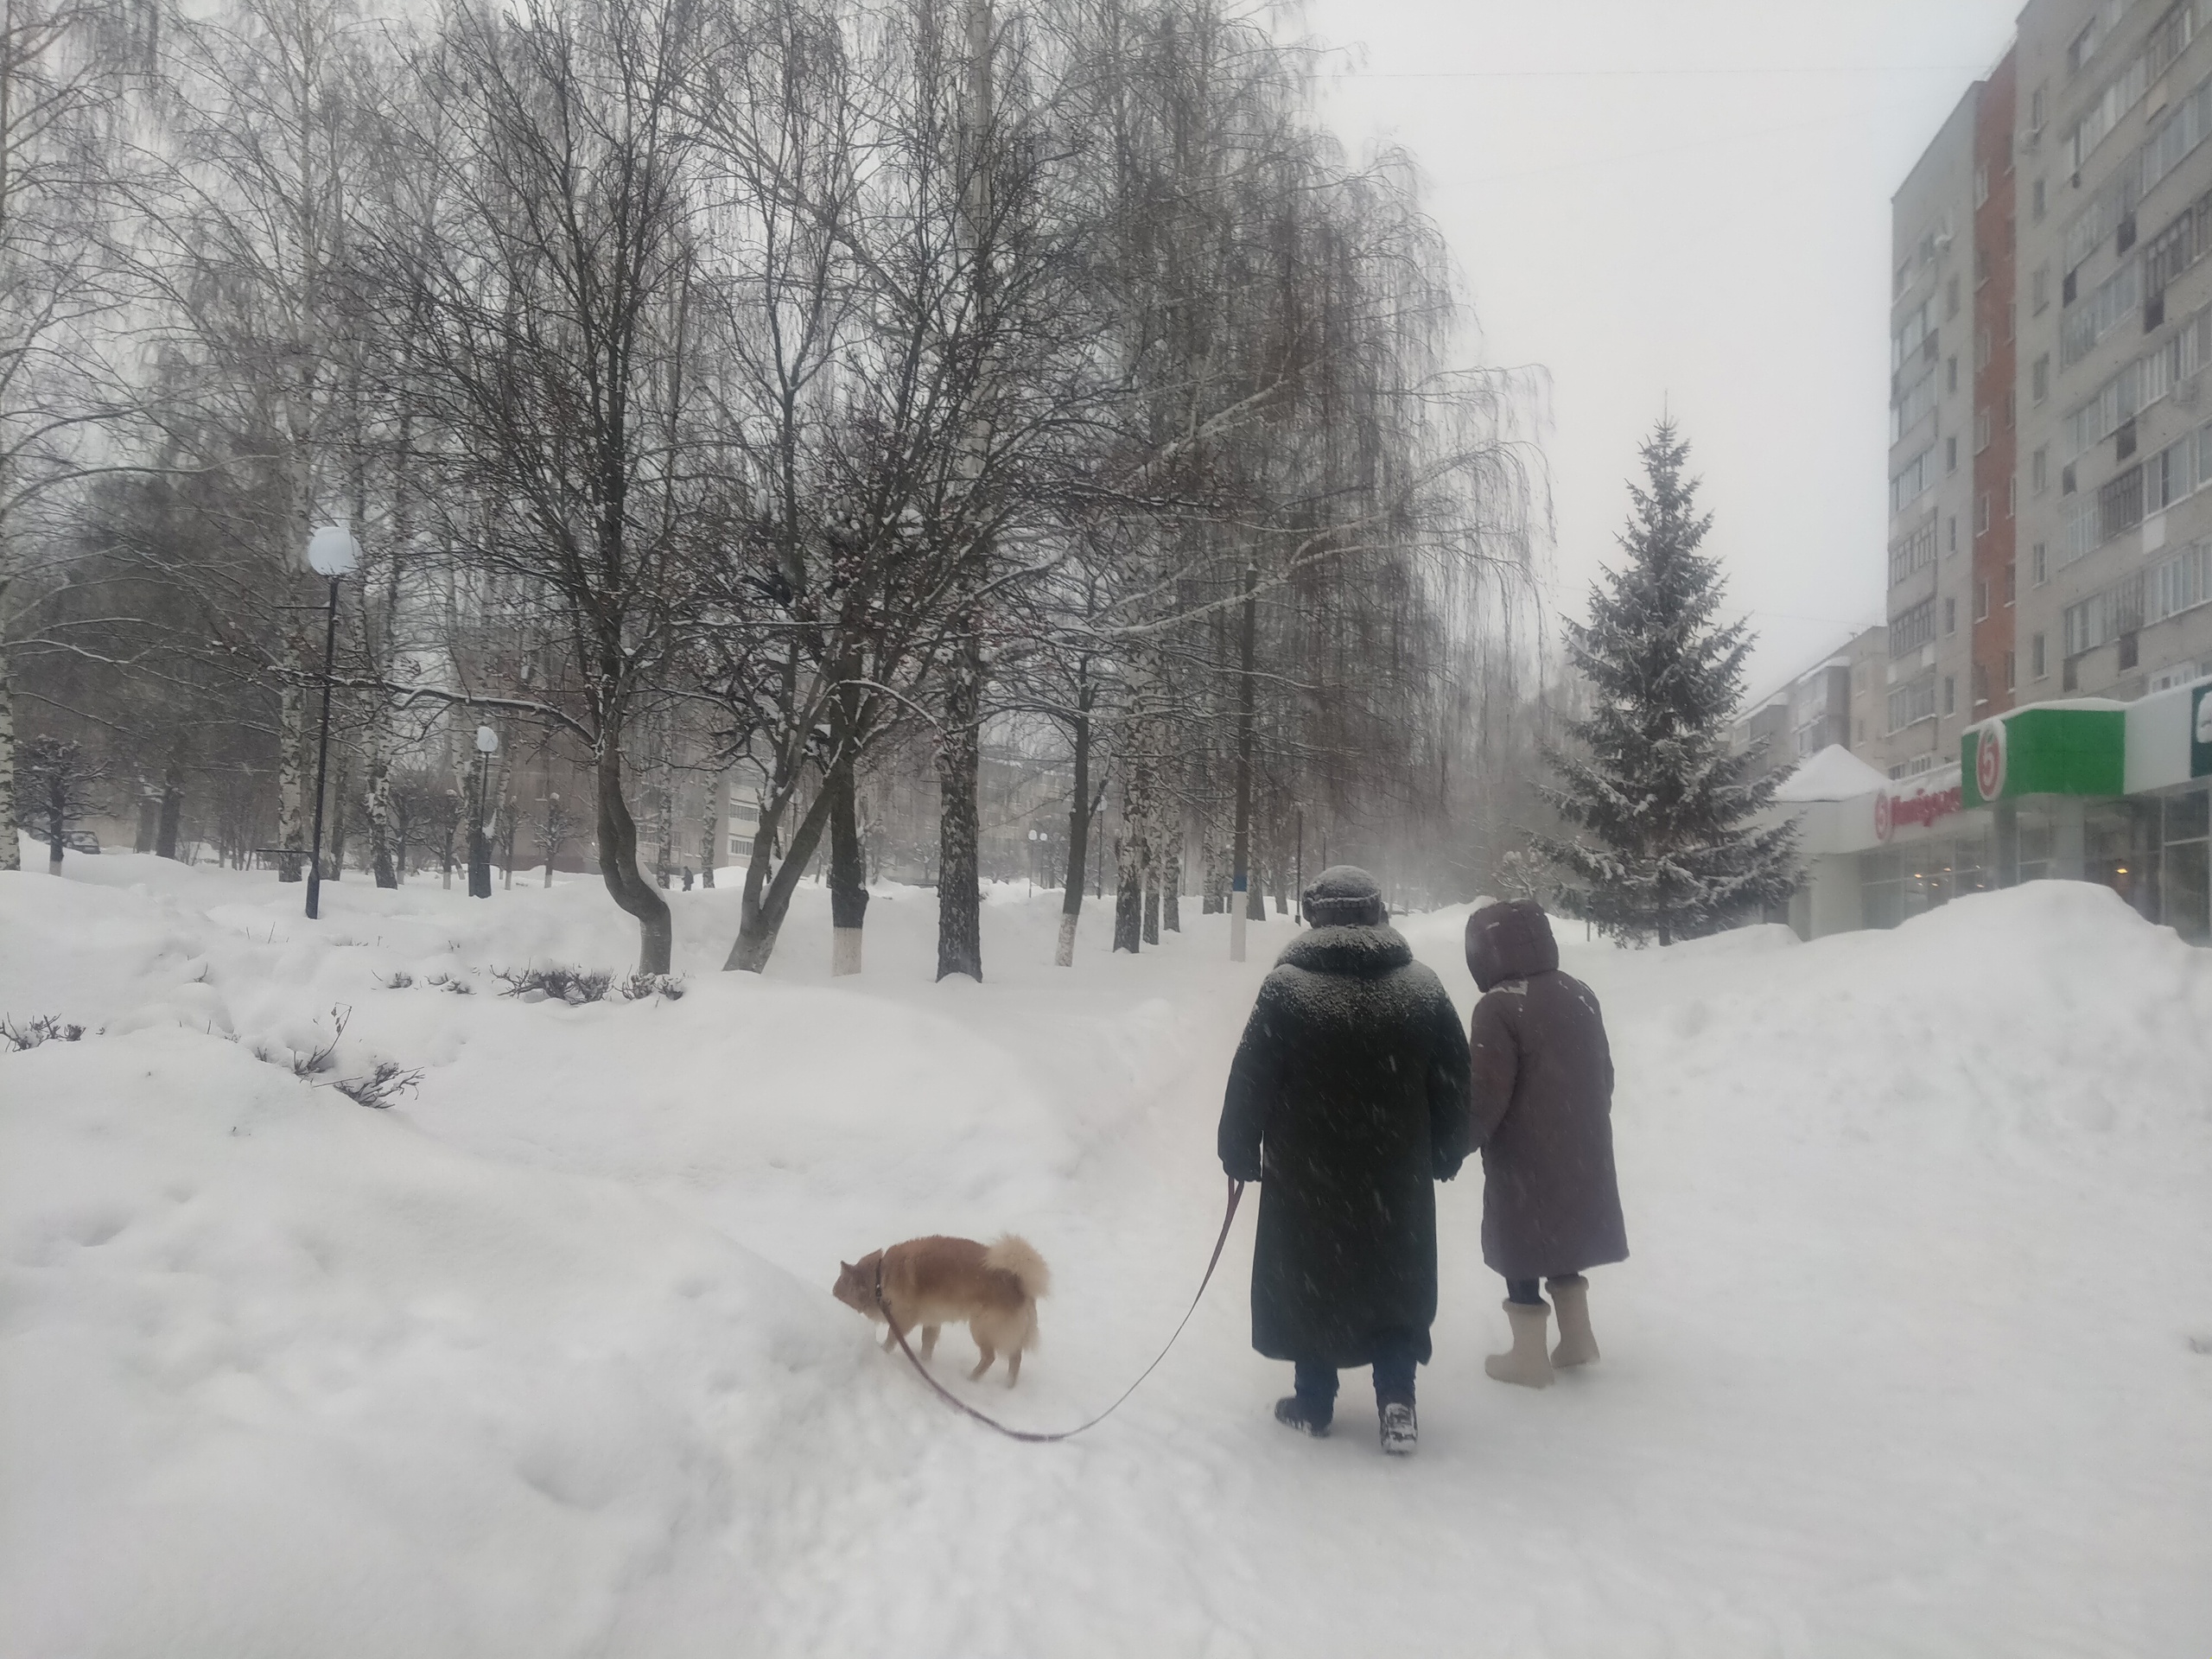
(479, 843)
(332, 553)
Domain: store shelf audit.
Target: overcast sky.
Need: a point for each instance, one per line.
(1684, 201)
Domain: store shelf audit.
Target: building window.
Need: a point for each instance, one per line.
(1912, 481)
(1951, 529)
(1951, 615)
(2036, 211)
(2179, 583)
(1951, 299)
(1981, 602)
(1980, 265)
(2011, 582)
(1981, 685)
(1981, 184)
(2039, 378)
(2012, 672)
(1951, 454)
(2039, 290)
(2039, 471)
(2039, 563)
(1911, 630)
(1910, 704)
(1980, 430)
(1913, 553)
(1982, 514)
(1950, 693)
(2011, 494)
(2037, 661)
(1981, 348)
(1951, 373)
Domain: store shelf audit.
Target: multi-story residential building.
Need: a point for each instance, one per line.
(1993, 662)
(1841, 699)
(1935, 304)
(2114, 297)
(2050, 640)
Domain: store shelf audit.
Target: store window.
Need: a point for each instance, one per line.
(2120, 849)
(2186, 873)
(1898, 883)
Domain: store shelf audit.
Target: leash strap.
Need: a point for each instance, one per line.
(1235, 1192)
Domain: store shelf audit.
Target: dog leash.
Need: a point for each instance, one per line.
(1235, 1192)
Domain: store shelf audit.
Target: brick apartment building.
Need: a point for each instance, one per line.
(2048, 658)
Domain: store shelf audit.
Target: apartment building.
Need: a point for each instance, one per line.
(1843, 698)
(1936, 304)
(2048, 674)
(2114, 297)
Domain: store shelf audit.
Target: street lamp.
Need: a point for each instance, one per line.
(332, 552)
(479, 843)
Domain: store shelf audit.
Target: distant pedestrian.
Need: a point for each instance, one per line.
(1347, 1100)
(1543, 1101)
(687, 878)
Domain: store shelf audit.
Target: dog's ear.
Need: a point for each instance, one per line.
(845, 1267)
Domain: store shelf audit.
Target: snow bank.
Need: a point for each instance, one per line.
(1914, 1356)
(285, 1375)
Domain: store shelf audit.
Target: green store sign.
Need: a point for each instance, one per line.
(2044, 752)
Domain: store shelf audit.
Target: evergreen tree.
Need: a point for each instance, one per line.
(1665, 845)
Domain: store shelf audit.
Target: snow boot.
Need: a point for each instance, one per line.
(1570, 1300)
(1527, 1364)
(1304, 1416)
(1401, 1431)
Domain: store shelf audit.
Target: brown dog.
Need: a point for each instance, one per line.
(934, 1282)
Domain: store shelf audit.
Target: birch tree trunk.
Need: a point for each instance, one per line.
(376, 797)
(710, 829)
(293, 766)
(11, 857)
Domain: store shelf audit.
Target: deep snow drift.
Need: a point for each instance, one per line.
(1914, 1356)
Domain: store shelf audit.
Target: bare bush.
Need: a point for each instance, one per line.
(381, 1087)
(39, 1028)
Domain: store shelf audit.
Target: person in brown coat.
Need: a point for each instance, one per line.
(1542, 1080)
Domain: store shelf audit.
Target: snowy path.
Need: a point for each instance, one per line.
(1915, 1355)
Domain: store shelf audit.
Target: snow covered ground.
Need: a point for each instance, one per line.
(1914, 1356)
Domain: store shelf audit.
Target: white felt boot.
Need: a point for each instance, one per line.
(1527, 1363)
(1571, 1298)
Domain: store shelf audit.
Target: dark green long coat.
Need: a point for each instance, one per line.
(1348, 1099)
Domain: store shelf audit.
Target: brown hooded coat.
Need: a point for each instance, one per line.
(1543, 1096)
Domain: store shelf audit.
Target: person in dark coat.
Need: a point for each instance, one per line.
(1543, 1103)
(1347, 1101)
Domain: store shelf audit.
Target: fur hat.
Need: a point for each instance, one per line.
(1343, 895)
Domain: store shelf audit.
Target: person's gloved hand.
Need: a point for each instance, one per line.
(1239, 1169)
(1445, 1171)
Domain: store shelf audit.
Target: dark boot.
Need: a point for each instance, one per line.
(1307, 1416)
(1401, 1430)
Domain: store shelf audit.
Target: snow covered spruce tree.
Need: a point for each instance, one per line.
(1665, 846)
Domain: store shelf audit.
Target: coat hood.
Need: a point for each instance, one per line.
(1510, 941)
(1365, 951)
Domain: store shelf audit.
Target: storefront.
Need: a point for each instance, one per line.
(2083, 791)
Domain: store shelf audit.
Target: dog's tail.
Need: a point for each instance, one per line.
(1014, 1254)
